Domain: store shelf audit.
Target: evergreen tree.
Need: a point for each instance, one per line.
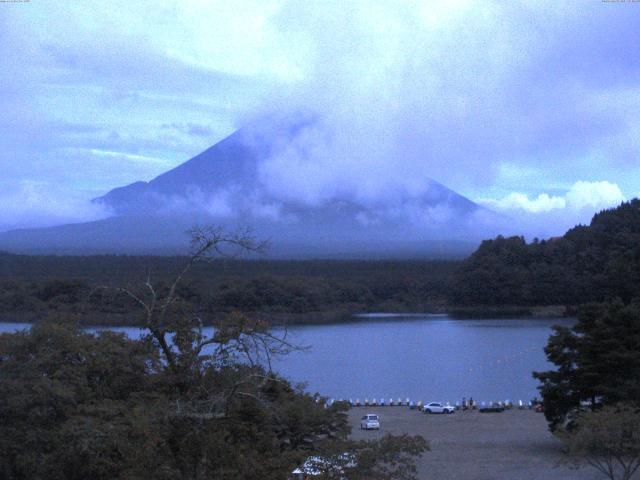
(591, 263)
(597, 360)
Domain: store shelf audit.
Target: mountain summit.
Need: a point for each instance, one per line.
(232, 184)
(230, 165)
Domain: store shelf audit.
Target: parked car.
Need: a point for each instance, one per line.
(334, 468)
(437, 407)
(492, 408)
(370, 421)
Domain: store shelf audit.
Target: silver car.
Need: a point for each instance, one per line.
(370, 421)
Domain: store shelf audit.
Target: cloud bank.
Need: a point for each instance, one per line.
(496, 100)
(582, 195)
(546, 215)
(30, 204)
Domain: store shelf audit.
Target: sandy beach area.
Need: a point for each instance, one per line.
(512, 445)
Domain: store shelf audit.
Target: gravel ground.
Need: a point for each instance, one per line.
(512, 445)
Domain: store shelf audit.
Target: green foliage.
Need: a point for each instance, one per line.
(76, 406)
(65, 402)
(597, 360)
(608, 440)
(587, 264)
(390, 458)
(175, 404)
(33, 286)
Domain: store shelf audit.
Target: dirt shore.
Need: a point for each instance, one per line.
(512, 445)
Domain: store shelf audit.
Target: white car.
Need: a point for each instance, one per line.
(370, 421)
(437, 407)
(325, 468)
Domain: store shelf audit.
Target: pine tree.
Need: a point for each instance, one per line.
(598, 361)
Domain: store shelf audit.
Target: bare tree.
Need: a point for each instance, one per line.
(237, 340)
(165, 313)
(608, 440)
(177, 329)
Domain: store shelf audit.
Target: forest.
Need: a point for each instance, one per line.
(590, 263)
(506, 275)
(297, 291)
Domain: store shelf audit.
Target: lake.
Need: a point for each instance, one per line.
(423, 357)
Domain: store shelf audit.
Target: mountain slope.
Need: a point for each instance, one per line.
(226, 185)
(231, 162)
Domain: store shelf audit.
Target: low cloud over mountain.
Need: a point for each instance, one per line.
(273, 176)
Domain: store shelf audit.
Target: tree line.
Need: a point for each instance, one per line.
(592, 396)
(35, 286)
(587, 264)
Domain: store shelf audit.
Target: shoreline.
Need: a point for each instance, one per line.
(329, 317)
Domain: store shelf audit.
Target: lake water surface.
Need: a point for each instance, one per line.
(423, 357)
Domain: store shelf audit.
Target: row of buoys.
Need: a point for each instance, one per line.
(506, 404)
(419, 405)
(381, 403)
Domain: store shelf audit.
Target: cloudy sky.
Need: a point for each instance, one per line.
(529, 108)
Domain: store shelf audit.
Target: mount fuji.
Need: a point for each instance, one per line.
(228, 185)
